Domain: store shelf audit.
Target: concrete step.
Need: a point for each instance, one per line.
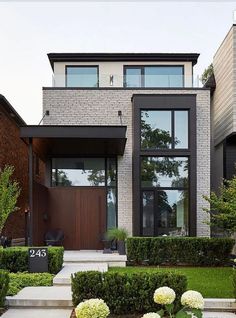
(221, 314)
(220, 304)
(37, 313)
(78, 257)
(53, 296)
(64, 276)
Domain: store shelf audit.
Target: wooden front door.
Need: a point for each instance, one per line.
(80, 213)
(90, 218)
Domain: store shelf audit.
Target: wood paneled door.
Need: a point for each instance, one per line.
(81, 213)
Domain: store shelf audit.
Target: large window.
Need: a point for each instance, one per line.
(164, 129)
(82, 76)
(154, 76)
(99, 172)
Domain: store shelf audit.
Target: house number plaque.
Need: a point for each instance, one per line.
(38, 260)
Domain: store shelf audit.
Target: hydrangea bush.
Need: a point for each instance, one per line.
(92, 308)
(192, 302)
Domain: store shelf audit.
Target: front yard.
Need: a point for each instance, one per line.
(212, 282)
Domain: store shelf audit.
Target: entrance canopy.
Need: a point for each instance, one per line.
(49, 141)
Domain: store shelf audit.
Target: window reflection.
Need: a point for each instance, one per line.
(181, 129)
(164, 171)
(111, 208)
(82, 76)
(148, 213)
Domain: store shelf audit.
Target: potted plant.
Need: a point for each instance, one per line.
(119, 235)
(9, 193)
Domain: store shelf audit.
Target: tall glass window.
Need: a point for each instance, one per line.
(154, 76)
(82, 76)
(164, 129)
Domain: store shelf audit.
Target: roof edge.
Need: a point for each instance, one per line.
(10, 110)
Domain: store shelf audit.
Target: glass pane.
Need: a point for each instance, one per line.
(164, 172)
(82, 76)
(181, 129)
(155, 129)
(163, 76)
(172, 212)
(111, 208)
(133, 77)
(78, 172)
(148, 213)
(111, 172)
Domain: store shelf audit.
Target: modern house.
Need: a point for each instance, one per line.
(223, 110)
(13, 151)
(126, 142)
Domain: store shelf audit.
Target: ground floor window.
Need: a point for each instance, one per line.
(89, 172)
(165, 195)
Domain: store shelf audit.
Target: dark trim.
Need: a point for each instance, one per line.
(95, 132)
(82, 66)
(130, 88)
(142, 68)
(164, 102)
(10, 111)
(31, 178)
(124, 57)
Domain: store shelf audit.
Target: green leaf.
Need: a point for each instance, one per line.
(169, 307)
(197, 312)
(183, 314)
(161, 312)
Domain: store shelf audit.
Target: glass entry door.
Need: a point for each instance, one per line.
(165, 212)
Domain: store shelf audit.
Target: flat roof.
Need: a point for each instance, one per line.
(124, 57)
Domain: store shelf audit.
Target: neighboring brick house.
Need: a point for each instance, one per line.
(14, 151)
(126, 143)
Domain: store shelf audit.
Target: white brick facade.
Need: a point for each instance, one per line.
(100, 107)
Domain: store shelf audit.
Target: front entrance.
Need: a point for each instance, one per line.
(81, 213)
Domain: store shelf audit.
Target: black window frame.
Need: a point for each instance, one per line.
(156, 102)
(142, 67)
(81, 66)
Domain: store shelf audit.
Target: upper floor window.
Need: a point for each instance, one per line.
(82, 76)
(154, 76)
(164, 129)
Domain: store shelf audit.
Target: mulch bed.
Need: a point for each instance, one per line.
(112, 316)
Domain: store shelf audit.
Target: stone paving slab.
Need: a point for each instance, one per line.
(37, 313)
(64, 276)
(220, 304)
(218, 315)
(53, 296)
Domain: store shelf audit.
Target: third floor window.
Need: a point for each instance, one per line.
(82, 76)
(154, 76)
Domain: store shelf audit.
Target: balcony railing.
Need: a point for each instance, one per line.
(113, 80)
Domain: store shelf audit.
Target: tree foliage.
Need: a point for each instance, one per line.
(207, 73)
(223, 207)
(9, 193)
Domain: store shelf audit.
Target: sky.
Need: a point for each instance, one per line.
(29, 30)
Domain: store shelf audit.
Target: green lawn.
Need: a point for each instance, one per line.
(211, 282)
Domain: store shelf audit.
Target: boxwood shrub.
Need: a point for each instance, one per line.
(234, 282)
(21, 280)
(15, 259)
(179, 250)
(125, 293)
(4, 284)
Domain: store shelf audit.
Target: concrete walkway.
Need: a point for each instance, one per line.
(37, 313)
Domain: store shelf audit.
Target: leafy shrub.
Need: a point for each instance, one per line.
(234, 282)
(4, 283)
(15, 259)
(126, 293)
(21, 280)
(179, 250)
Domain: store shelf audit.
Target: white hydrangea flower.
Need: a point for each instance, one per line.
(151, 315)
(164, 296)
(192, 299)
(92, 308)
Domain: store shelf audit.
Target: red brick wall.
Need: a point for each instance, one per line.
(13, 151)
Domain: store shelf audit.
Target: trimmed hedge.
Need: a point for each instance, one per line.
(21, 280)
(4, 284)
(15, 259)
(234, 282)
(126, 293)
(179, 250)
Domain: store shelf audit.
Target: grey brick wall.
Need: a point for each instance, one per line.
(100, 107)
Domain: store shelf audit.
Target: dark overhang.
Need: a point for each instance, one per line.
(51, 141)
(10, 111)
(122, 57)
